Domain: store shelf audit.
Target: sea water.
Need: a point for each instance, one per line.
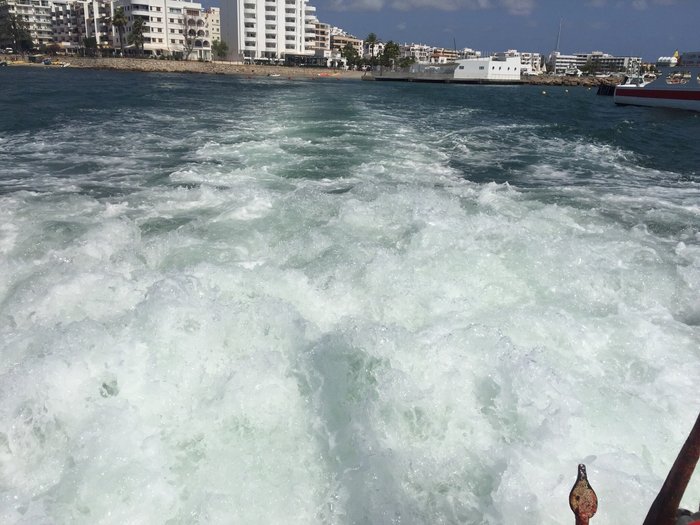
(272, 301)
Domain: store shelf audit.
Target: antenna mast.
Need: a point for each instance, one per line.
(559, 35)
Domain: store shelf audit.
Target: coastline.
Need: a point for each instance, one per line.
(210, 68)
(288, 73)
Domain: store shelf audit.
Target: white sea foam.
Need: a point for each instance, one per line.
(386, 343)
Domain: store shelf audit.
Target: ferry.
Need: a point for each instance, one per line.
(501, 68)
(676, 86)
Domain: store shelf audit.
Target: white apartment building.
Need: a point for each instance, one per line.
(420, 53)
(72, 21)
(268, 30)
(172, 27)
(322, 48)
(35, 13)
(423, 54)
(339, 39)
(602, 62)
(212, 22)
(372, 50)
(559, 64)
(468, 52)
(441, 55)
(322, 39)
(531, 62)
(608, 63)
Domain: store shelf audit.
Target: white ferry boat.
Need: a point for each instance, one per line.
(501, 68)
(497, 69)
(677, 85)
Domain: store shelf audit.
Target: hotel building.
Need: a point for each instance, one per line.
(269, 30)
(598, 61)
(171, 27)
(74, 21)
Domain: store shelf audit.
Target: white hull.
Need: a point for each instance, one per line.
(676, 87)
(670, 100)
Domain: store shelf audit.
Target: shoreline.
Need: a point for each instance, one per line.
(263, 71)
(145, 65)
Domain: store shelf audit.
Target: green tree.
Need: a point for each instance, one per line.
(219, 48)
(90, 43)
(391, 53)
(350, 54)
(54, 48)
(588, 68)
(136, 37)
(119, 21)
(406, 62)
(16, 30)
(371, 42)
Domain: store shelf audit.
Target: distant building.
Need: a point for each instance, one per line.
(268, 30)
(322, 39)
(559, 64)
(440, 55)
(339, 39)
(172, 28)
(73, 21)
(420, 53)
(531, 62)
(372, 50)
(468, 52)
(604, 63)
(595, 61)
(212, 22)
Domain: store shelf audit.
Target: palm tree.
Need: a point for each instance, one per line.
(371, 41)
(136, 36)
(119, 21)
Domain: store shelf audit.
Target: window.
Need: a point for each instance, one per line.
(681, 77)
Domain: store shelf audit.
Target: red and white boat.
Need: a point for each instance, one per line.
(676, 86)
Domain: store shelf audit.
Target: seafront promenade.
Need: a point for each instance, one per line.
(227, 68)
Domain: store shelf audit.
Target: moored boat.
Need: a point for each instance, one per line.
(676, 86)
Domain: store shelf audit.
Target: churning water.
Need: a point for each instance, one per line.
(261, 301)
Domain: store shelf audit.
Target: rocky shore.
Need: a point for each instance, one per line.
(228, 68)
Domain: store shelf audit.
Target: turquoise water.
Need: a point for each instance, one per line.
(268, 301)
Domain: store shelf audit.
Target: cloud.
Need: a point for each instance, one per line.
(514, 7)
(357, 5)
(637, 4)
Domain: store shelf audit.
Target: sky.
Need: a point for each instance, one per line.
(646, 28)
